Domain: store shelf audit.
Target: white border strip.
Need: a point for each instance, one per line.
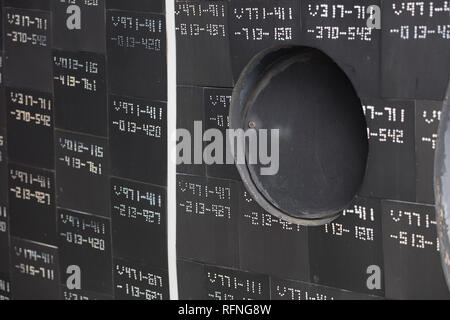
(171, 147)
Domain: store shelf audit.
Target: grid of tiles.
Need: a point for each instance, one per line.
(228, 247)
(83, 150)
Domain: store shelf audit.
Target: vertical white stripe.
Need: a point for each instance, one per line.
(171, 140)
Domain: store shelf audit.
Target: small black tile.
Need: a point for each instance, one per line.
(259, 25)
(76, 295)
(30, 127)
(269, 245)
(28, 4)
(79, 25)
(229, 284)
(344, 252)
(134, 281)
(3, 167)
(411, 252)
(137, 5)
(80, 92)
(4, 239)
(217, 108)
(32, 204)
(136, 50)
(189, 110)
(340, 30)
(294, 290)
(34, 271)
(207, 217)
(391, 167)
(5, 286)
(191, 280)
(203, 53)
(138, 139)
(82, 172)
(428, 116)
(139, 222)
(85, 241)
(28, 46)
(415, 49)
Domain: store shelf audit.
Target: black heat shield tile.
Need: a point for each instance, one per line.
(32, 203)
(340, 30)
(190, 106)
(411, 252)
(136, 54)
(85, 241)
(269, 245)
(28, 46)
(300, 291)
(80, 92)
(79, 25)
(344, 252)
(139, 222)
(415, 59)
(34, 271)
(207, 215)
(82, 169)
(428, 116)
(259, 25)
(391, 164)
(156, 6)
(136, 129)
(30, 123)
(203, 50)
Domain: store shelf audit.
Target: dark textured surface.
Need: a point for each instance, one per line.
(99, 201)
(85, 112)
(391, 224)
(391, 167)
(415, 50)
(80, 92)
